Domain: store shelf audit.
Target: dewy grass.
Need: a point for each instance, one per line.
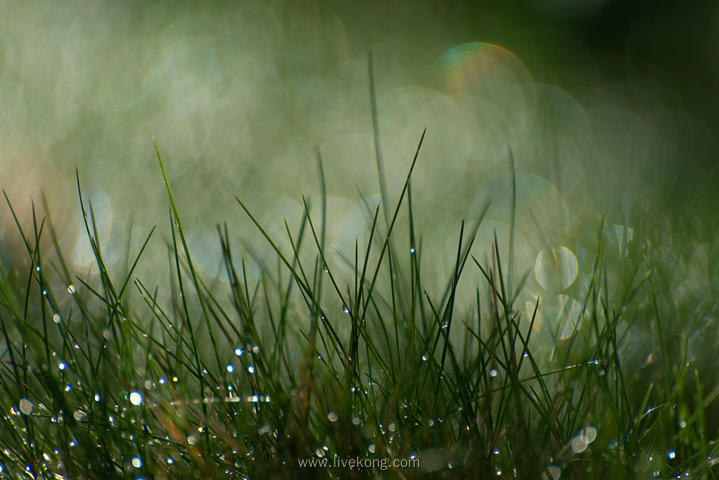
(300, 373)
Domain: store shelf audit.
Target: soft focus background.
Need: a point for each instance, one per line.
(609, 108)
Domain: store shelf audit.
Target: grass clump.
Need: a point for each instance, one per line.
(105, 376)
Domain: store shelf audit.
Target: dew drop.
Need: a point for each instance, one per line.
(552, 472)
(371, 448)
(56, 318)
(136, 398)
(191, 439)
(578, 443)
(97, 397)
(136, 462)
(590, 432)
(332, 416)
(251, 368)
(26, 406)
(581, 441)
(230, 368)
(493, 372)
(424, 357)
(239, 352)
(411, 250)
(71, 289)
(671, 454)
(345, 309)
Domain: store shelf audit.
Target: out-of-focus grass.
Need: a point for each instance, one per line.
(328, 356)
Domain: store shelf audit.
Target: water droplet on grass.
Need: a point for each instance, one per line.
(239, 352)
(552, 472)
(137, 462)
(136, 398)
(671, 454)
(26, 406)
(71, 289)
(230, 368)
(56, 318)
(581, 441)
(251, 368)
(332, 416)
(371, 448)
(493, 372)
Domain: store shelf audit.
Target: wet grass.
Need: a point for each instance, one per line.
(234, 377)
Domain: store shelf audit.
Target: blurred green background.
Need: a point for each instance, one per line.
(610, 108)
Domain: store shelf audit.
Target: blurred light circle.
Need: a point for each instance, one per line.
(569, 316)
(403, 114)
(556, 268)
(495, 75)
